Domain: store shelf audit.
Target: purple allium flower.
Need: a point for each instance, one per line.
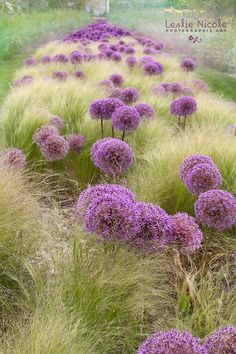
(79, 74)
(129, 50)
(159, 89)
(42, 134)
(183, 106)
(54, 148)
(103, 108)
(125, 119)
(46, 59)
(200, 85)
(188, 64)
(57, 122)
(149, 51)
(221, 341)
(26, 79)
(188, 164)
(116, 79)
(159, 46)
(116, 57)
(76, 142)
(155, 228)
(96, 146)
(113, 156)
(112, 217)
(12, 157)
(115, 92)
(106, 83)
(60, 58)
(99, 190)
(129, 95)
(131, 62)
(76, 57)
(185, 233)
(171, 342)
(146, 59)
(145, 110)
(203, 177)
(59, 75)
(175, 88)
(217, 209)
(30, 62)
(186, 91)
(152, 68)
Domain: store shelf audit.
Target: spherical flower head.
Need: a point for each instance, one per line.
(185, 234)
(30, 62)
(42, 133)
(146, 59)
(149, 51)
(145, 110)
(112, 217)
(129, 95)
(129, 50)
(188, 64)
(76, 57)
(116, 79)
(221, 341)
(46, 59)
(159, 89)
(116, 57)
(159, 46)
(216, 209)
(60, 58)
(191, 161)
(115, 92)
(76, 142)
(131, 62)
(99, 190)
(175, 88)
(155, 228)
(171, 342)
(186, 91)
(200, 85)
(203, 177)
(183, 106)
(57, 122)
(125, 119)
(59, 75)
(54, 148)
(113, 156)
(103, 108)
(13, 157)
(79, 74)
(106, 83)
(96, 146)
(26, 79)
(152, 68)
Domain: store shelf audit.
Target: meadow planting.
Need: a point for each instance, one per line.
(118, 212)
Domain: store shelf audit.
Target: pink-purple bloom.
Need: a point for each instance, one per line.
(26, 79)
(76, 57)
(188, 64)
(183, 106)
(203, 177)
(216, 209)
(152, 68)
(129, 95)
(116, 79)
(76, 142)
(60, 58)
(59, 75)
(131, 62)
(30, 62)
(46, 59)
(54, 148)
(171, 342)
(42, 133)
(57, 122)
(125, 119)
(145, 110)
(188, 164)
(112, 156)
(185, 234)
(221, 341)
(12, 157)
(103, 108)
(79, 74)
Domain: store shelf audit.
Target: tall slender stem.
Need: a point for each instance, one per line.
(112, 131)
(184, 123)
(102, 128)
(123, 136)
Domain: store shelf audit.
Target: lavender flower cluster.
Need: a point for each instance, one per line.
(12, 157)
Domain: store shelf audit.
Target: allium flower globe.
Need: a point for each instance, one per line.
(99, 190)
(185, 234)
(25, 80)
(116, 57)
(131, 62)
(112, 156)
(188, 64)
(203, 177)
(79, 74)
(145, 110)
(60, 58)
(112, 217)
(57, 122)
(76, 142)
(129, 95)
(221, 341)
(183, 106)
(155, 228)
(30, 62)
(116, 79)
(188, 164)
(103, 108)
(152, 68)
(216, 209)
(54, 148)
(46, 59)
(59, 75)
(171, 342)
(76, 57)
(12, 157)
(42, 133)
(125, 119)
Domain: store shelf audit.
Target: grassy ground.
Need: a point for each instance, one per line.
(20, 33)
